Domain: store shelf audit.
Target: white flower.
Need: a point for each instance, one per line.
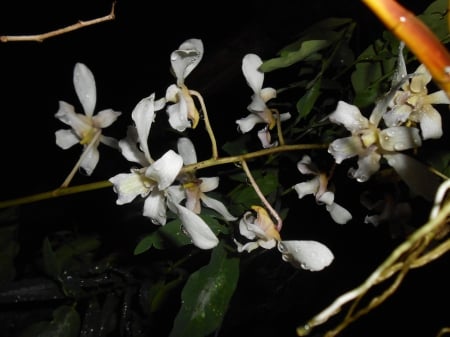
(260, 228)
(259, 112)
(308, 255)
(183, 113)
(367, 141)
(318, 186)
(155, 177)
(413, 103)
(85, 128)
(196, 188)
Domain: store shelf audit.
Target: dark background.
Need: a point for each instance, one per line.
(130, 59)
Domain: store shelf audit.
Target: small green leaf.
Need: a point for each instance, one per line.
(306, 103)
(206, 296)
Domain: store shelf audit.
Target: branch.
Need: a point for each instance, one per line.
(44, 36)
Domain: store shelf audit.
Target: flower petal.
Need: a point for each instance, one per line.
(246, 124)
(105, 118)
(399, 138)
(84, 83)
(338, 213)
(415, 174)
(187, 150)
(165, 169)
(155, 207)
(430, 123)
(209, 183)
(307, 187)
(218, 206)
(306, 166)
(349, 116)
(178, 115)
(368, 164)
(201, 235)
(186, 58)
(90, 159)
(128, 186)
(143, 116)
(268, 93)
(308, 255)
(66, 138)
(129, 149)
(254, 77)
(344, 148)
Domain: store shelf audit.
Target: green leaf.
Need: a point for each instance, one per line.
(65, 323)
(206, 296)
(435, 18)
(306, 103)
(306, 49)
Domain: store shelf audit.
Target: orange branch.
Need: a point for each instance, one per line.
(417, 37)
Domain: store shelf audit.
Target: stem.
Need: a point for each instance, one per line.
(207, 124)
(61, 191)
(261, 196)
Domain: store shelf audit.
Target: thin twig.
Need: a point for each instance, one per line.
(44, 36)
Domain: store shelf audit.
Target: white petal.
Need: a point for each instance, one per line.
(399, 138)
(338, 213)
(306, 166)
(66, 138)
(178, 115)
(199, 232)
(420, 79)
(129, 149)
(267, 243)
(266, 138)
(257, 104)
(165, 169)
(368, 164)
(218, 206)
(143, 116)
(90, 160)
(438, 97)
(128, 186)
(244, 223)
(84, 83)
(268, 93)
(105, 118)
(349, 116)
(187, 150)
(246, 124)
(67, 115)
(109, 141)
(307, 187)
(416, 175)
(186, 58)
(254, 77)
(155, 207)
(344, 148)
(308, 255)
(249, 246)
(209, 183)
(397, 115)
(431, 123)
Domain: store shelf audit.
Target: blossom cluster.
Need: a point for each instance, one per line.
(400, 121)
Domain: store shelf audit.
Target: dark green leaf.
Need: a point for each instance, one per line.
(307, 102)
(51, 264)
(206, 295)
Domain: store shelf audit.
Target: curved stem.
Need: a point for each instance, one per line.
(207, 124)
(261, 196)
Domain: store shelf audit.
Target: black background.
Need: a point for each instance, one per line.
(130, 59)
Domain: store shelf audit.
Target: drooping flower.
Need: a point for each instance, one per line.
(183, 112)
(413, 104)
(86, 129)
(196, 188)
(318, 186)
(306, 254)
(259, 111)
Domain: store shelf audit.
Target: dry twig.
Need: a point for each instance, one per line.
(44, 36)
